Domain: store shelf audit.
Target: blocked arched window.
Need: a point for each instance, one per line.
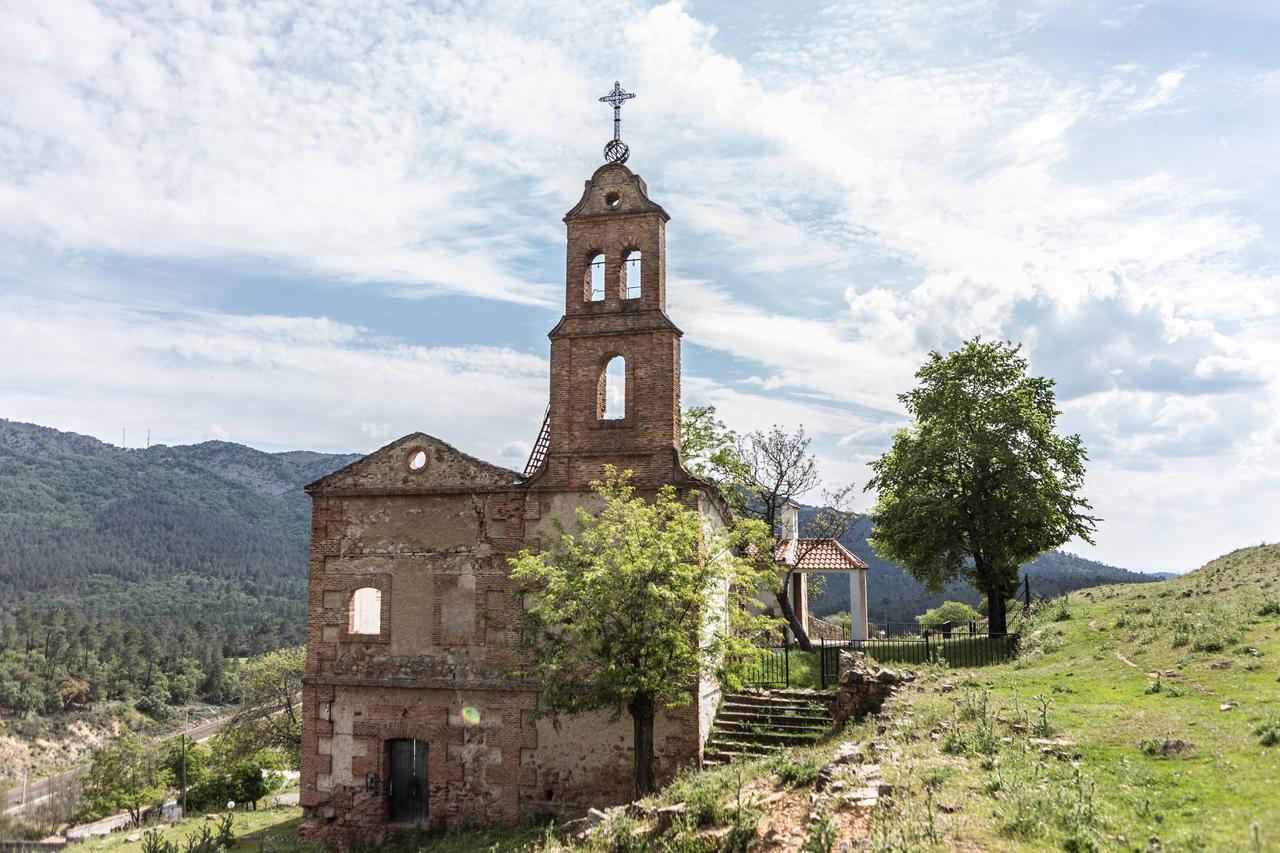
(595, 278)
(611, 397)
(631, 273)
(365, 614)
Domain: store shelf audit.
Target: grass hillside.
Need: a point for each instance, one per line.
(1139, 718)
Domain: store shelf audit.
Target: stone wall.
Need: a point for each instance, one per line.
(447, 642)
(820, 629)
(862, 689)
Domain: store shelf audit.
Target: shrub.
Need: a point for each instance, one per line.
(1269, 733)
(797, 771)
(947, 611)
(1060, 613)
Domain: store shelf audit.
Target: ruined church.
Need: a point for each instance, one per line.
(409, 714)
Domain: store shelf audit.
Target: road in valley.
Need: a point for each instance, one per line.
(40, 789)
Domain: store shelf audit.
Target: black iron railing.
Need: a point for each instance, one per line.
(772, 668)
(957, 650)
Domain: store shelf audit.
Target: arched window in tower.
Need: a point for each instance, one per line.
(611, 402)
(595, 278)
(631, 273)
(365, 614)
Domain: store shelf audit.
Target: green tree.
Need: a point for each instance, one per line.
(980, 482)
(125, 774)
(759, 474)
(187, 764)
(270, 689)
(635, 606)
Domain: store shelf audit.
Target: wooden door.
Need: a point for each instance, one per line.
(407, 781)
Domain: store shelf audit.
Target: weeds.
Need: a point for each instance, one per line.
(822, 833)
(1042, 727)
(794, 771)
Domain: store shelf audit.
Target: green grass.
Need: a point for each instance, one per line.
(805, 670)
(1113, 784)
(268, 830)
(264, 829)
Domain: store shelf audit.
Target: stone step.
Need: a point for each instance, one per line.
(718, 756)
(776, 738)
(777, 709)
(754, 701)
(764, 721)
(816, 716)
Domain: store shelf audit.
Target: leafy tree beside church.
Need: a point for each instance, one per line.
(980, 483)
(635, 606)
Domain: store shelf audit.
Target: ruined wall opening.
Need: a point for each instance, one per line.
(595, 278)
(365, 613)
(631, 273)
(611, 395)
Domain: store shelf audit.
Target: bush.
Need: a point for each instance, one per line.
(947, 611)
(1269, 733)
(797, 770)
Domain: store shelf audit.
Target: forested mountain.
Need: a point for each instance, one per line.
(895, 597)
(133, 574)
(198, 550)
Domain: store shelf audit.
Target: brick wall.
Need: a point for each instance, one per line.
(435, 538)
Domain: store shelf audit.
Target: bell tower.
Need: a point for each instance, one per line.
(615, 355)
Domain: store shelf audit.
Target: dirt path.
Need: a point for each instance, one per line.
(1093, 623)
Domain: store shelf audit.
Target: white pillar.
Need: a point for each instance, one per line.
(858, 604)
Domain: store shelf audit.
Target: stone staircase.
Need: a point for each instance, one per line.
(760, 722)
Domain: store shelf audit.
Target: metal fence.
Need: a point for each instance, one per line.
(772, 668)
(911, 630)
(957, 650)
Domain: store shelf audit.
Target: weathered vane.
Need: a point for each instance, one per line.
(616, 151)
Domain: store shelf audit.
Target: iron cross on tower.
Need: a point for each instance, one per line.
(616, 151)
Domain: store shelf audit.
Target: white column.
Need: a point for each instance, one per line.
(858, 604)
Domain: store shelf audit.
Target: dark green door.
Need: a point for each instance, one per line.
(408, 781)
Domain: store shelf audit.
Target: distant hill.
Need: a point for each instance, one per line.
(894, 596)
(215, 533)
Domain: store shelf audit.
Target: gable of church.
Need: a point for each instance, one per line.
(415, 462)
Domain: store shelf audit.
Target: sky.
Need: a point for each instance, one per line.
(325, 225)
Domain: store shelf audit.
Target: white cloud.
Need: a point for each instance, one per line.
(1166, 86)
(269, 381)
(850, 187)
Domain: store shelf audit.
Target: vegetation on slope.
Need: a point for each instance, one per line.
(1138, 718)
(136, 575)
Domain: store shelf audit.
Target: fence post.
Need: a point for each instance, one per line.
(786, 656)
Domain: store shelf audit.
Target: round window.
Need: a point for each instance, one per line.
(613, 200)
(418, 460)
